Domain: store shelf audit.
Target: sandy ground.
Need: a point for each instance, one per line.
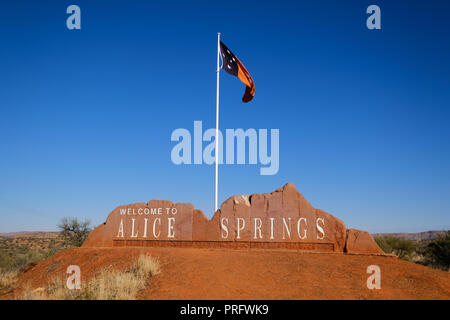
(189, 273)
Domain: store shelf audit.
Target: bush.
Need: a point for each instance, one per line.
(437, 252)
(402, 248)
(74, 232)
(16, 259)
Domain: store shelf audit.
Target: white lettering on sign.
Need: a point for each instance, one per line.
(162, 225)
(224, 227)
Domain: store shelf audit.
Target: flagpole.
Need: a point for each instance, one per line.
(216, 192)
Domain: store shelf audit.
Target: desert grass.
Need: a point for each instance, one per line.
(19, 254)
(8, 280)
(108, 284)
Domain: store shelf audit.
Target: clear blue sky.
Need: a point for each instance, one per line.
(86, 116)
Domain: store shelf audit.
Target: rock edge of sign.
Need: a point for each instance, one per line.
(281, 219)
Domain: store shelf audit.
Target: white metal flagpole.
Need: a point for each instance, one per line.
(216, 193)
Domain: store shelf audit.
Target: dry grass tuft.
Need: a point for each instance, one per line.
(146, 266)
(29, 294)
(8, 281)
(108, 284)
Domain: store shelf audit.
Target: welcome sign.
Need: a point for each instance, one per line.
(281, 219)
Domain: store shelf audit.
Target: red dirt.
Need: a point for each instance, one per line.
(193, 273)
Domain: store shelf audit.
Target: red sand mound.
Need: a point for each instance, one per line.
(193, 273)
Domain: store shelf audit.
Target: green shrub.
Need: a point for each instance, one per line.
(402, 248)
(437, 252)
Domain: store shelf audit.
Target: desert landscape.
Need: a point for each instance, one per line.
(205, 150)
(202, 261)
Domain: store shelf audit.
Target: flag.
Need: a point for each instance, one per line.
(232, 65)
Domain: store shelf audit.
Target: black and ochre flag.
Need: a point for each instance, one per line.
(232, 65)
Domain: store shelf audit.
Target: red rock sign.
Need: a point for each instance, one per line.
(281, 219)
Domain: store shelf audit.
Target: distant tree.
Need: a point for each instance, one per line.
(437, 252)
(74, 232)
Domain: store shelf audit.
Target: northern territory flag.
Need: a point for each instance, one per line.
(232, 65)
